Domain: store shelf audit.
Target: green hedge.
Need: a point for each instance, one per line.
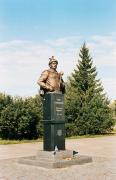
(20, 118)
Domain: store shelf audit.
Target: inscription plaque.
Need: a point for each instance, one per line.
(59, 132)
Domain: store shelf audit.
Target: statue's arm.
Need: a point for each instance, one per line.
(42, 80)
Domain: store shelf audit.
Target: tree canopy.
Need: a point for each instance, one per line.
(87, 107)
(20, 118)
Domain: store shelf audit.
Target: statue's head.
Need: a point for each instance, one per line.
(53, 62)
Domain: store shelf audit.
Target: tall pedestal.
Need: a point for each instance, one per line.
(54, 122)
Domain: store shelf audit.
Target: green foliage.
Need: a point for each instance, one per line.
(87, 108)
(5, 100)
(21, 119)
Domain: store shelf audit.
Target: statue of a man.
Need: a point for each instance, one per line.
(50, 80)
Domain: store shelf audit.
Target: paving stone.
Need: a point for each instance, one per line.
(103, 167)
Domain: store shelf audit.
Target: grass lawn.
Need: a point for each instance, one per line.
(92, 136)
(5, 142)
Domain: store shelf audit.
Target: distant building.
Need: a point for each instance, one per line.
(113, 107)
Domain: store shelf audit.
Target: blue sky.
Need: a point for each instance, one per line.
(31, 31)
(44, 19)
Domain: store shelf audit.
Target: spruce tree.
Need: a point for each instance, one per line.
(87, 107)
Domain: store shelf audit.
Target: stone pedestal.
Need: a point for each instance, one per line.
(54, 122)
(59, 159)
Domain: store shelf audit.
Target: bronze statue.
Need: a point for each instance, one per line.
(50, 80)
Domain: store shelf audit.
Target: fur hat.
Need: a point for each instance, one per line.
(52, 59)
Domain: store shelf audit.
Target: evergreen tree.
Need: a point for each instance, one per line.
(87, 108)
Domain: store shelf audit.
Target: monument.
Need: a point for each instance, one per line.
(54, 153)
(52, 89)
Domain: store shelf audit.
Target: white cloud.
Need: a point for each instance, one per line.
(21, 62)
(103, 49)
(109, 84)
(71, 41)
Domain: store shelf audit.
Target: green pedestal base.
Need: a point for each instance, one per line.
(54, 122)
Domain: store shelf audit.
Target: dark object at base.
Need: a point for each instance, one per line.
(59, 159)
(75, 153)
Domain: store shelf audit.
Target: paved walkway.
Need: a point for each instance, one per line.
(103, 167)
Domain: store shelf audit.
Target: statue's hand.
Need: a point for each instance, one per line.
(61, 73)
(49, 88)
